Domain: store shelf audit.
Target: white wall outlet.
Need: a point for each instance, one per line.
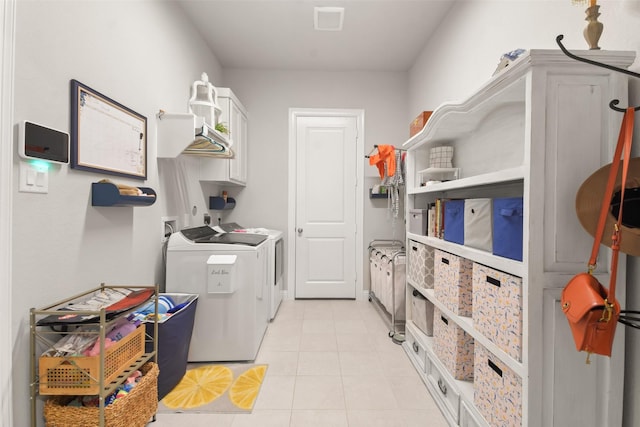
(169, 226)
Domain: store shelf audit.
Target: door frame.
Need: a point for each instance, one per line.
(294, 114)
(7, 64)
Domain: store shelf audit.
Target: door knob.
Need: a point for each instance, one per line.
(299, 230)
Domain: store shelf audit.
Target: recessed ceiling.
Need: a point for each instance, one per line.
(377, 35)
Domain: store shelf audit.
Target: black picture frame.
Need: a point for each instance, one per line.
(106, 136)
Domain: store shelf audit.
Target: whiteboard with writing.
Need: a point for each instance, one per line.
(106, 136)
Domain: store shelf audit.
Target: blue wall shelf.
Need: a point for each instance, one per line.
(107, 194)
(217, 203)
(373, 195)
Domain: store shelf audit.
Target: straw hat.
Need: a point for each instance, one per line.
(589, 202)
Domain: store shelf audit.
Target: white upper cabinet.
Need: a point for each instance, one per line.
(234, 117)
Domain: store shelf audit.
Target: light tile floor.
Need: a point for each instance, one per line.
(331, 364)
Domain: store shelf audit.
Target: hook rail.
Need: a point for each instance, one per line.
(375, 147)
(613, 104)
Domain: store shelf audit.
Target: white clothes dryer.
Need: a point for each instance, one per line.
(275, 257)
(275, 278)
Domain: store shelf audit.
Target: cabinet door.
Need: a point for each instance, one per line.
(229, 171)
(595, 389)
(238, 129)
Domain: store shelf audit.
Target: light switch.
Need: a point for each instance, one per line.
(34, 177)
(31, 177)
(40, 178)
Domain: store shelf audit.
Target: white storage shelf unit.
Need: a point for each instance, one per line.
(535, 131)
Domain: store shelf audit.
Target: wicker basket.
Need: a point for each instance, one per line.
(79, 375)
(133, 410)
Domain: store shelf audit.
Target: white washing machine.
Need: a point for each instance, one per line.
(229, 273)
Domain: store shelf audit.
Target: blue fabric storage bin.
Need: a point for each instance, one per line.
(454, 221)
(507, 227)
(174, 339)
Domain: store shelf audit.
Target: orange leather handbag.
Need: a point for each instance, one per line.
(592, 312)
(591, 309)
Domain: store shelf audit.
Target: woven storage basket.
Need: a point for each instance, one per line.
(79, 375)
(133, 410)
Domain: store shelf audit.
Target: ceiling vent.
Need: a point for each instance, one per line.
(328, 18)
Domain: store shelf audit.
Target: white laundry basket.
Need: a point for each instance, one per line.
(394, 278)
(387, 260)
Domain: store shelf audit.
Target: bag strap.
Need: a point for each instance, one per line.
(623, 147)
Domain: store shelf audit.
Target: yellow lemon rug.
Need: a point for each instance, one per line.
(216, 388)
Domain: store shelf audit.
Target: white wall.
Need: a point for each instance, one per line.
(268, 95)
(467, 47)
(142, 54)
(464, 54)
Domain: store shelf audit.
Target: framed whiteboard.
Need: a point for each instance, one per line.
(106, 136)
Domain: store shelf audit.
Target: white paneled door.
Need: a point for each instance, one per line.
(326, 180)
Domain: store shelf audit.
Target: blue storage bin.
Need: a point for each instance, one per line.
(507, 227)
(174, 339)
(454, 221)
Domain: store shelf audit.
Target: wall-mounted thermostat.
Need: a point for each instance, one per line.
(40, 142)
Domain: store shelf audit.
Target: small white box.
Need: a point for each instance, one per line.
(221, 275)
(418, 221)
(422, 313)
(478, 224)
